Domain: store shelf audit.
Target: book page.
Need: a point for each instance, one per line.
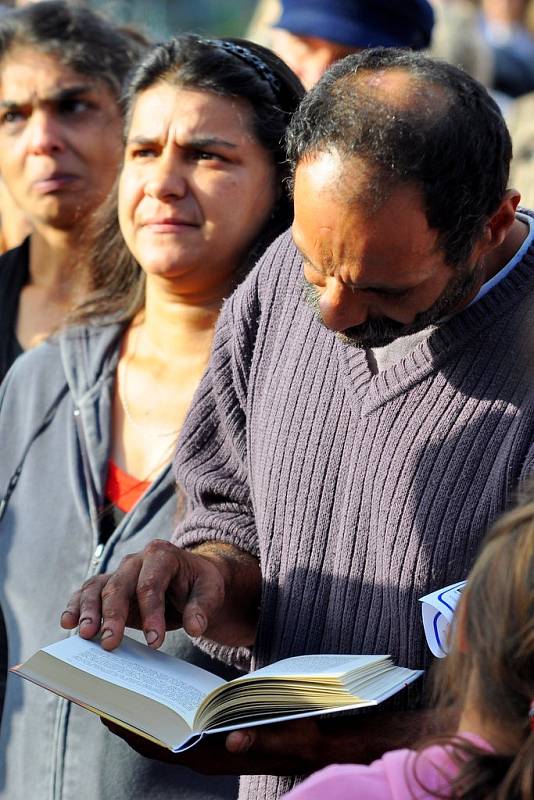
(251, 714)
(171, 681)
(314, 666)
(299, 681)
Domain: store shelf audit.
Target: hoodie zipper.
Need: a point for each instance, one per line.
(93, 511)
(63, 708)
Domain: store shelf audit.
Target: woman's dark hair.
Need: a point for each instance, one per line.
(494, 641)
(231, 68)
(76, 36)
(443, 133)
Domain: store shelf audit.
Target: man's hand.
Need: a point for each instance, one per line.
(290, 748)
(303, 745)
(212, 591)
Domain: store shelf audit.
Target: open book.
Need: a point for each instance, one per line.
(174, 703)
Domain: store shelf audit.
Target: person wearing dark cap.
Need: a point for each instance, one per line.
(311, 35)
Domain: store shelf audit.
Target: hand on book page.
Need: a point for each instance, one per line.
(213, 591)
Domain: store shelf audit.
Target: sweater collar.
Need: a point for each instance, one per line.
(477, 323)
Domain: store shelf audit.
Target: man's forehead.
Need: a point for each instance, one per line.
(337, 233)
(329, 171)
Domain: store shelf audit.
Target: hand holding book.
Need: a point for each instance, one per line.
(175, 704)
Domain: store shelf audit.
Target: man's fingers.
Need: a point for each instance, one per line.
(161, 588)
(161, 563)
(118, 597)
(241, 741)
(206, 596)
(71, 615)
(84, 608)
(300, 738)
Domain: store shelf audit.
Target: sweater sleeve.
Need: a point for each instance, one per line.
(211, 461)
(526, 478)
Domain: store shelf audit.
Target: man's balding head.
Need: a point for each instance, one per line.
(411, 120)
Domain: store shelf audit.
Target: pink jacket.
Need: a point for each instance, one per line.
(398, 775)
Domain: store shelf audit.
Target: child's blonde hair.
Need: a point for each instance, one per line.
(495, 641)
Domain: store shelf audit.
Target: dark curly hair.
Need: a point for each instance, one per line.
(447, 136)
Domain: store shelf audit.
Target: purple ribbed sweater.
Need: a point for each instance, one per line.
(359, 493)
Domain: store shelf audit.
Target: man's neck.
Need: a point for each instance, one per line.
(502, 254)
(496, 260)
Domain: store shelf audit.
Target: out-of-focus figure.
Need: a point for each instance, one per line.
(62, 69)
(515, 19)
(312, 34)
(520, 120)
(504, 25)
(458, 39)
(267, 13)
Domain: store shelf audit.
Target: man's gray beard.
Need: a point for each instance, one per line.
(381, 332)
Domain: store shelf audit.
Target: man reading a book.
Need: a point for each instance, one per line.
(366, 413)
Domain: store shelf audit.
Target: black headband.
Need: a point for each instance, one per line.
(249, 58)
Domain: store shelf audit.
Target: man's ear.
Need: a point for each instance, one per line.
(501, 220)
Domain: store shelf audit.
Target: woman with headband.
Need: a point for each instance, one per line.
(88, 420)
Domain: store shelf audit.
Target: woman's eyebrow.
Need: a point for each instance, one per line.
(210, 141)
(198, 142)
(56, 97)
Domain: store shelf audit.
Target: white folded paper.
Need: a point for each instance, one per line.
(438, 612)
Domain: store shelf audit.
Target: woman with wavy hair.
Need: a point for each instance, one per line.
(89, 420)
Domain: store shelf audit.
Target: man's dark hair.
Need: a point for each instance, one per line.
(446, 135)
(78, 37)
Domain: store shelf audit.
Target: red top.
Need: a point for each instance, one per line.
(123, 490)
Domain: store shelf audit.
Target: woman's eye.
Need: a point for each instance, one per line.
(143, 152)
(9, 117)
(204, 155)
(74, 106)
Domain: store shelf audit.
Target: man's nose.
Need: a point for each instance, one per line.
(45, 134)
(340, 307)
(166, 180)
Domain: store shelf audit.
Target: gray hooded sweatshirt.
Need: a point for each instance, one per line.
(55, 440)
